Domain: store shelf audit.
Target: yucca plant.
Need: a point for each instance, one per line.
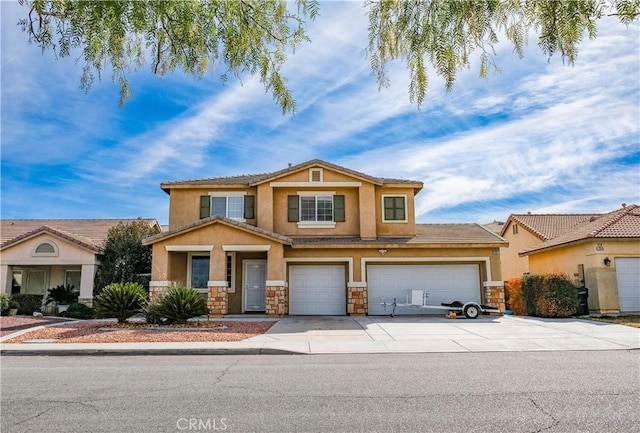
(179, 304)
(120, 301)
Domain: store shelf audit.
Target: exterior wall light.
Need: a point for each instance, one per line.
(607, 261)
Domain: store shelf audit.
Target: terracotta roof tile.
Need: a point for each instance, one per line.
(547, 226)
(621, 223)
(91, 232)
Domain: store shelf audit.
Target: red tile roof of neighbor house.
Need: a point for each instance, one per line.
(90, 233)
(623, 223)
(548, 226)
(254, 179)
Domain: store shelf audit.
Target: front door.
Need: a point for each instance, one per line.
(255, 281)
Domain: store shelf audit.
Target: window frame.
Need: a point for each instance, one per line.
(231, 271)
(315, 223)
(226, 196)
(405, 207)
(67, 271)
(49, 242)
(190, 271)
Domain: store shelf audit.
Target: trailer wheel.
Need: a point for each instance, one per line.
(471, 311)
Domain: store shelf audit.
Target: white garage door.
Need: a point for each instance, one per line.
(445, 283)
(628, 275)
(317, 290)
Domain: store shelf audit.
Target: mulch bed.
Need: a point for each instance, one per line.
(100, 331)
(10, 324)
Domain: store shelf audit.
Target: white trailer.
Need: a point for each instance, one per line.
(418, 299)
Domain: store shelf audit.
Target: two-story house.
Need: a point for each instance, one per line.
(317, 239)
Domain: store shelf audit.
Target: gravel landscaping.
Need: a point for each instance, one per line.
(105, 331)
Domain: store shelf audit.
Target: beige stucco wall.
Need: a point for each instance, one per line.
(68, 253)
(184, 203)
(513, 266)
(171, 266)
(390, 229)
(599, 279)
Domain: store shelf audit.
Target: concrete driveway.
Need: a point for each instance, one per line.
(342, 334)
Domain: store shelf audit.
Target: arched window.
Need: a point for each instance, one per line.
(46, 249)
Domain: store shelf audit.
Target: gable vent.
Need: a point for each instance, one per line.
(316, 176)
(45, 248)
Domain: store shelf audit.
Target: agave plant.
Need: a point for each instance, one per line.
(179, 304)
(62, 294)
(120, 301)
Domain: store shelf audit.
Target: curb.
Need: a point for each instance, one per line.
(146, 352)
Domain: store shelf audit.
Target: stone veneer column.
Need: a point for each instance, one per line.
(218, 300)
(357, 299)
(157, 289)
(277, 299)
(494, 297)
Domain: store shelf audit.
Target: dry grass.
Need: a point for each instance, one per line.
(96, 331)
(627, 319)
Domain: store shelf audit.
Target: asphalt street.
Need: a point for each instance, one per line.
(429, 392)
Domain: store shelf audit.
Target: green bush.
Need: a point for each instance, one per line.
(5, 298)
(28, 303)
(549, 295)
(151, 314)
(179, 304)
(120, 301)
(62, 295)
(79, 311)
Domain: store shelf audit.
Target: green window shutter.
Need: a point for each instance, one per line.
(205, 206)
(338, 208)
(249, 207)
(293, 208)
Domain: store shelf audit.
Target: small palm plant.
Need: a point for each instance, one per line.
(179, 304)
(120, 301)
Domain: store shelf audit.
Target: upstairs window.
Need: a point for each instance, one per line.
(234, 206)
(394, 208)
(318, 208)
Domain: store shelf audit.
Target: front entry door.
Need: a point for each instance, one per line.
(255, 282)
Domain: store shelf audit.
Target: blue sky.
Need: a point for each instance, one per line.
(540, 136)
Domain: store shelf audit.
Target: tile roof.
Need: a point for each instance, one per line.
(90, 233)
(619, 224)
(204, 221)
(425, 234)
(547, 226)
(253, 179)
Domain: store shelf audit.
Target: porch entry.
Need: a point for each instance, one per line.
(254, 285)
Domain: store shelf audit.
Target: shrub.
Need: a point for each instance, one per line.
(549, 295)
(513, 296)
(62, 295)
(5, 298)
(79, 311)
(151, 314)
(179, 304)
(28, 303)
(14, 305)
(120, 301)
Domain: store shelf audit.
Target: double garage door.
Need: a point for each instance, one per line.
(444, 283)
(317, 290)
(628, 276)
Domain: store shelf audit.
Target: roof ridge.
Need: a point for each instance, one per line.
(617, 215)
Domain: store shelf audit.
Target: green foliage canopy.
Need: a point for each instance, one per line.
(255, 36)
(191, 35)
(125, 258)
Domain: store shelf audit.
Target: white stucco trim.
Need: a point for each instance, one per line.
(186, 248)
(316, 225)
(406, 209)
(226, 193)
(276, 283)
(159, 283)
(365, 260)
(320, 260)
(356, 284)
(308, 193)
(49, 242)
(246, 247)
(314, 184)
(213, 283)
(493, 284)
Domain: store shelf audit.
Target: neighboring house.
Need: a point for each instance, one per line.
(599, 251)
(317, 239)
(38, 254)
(495, 226)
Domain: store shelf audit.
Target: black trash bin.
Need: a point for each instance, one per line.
(583, 306)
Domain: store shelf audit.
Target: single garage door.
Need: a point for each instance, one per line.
(444, 283)
(317, 290)
(628, 276)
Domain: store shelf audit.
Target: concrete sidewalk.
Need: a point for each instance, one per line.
(400, 334)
